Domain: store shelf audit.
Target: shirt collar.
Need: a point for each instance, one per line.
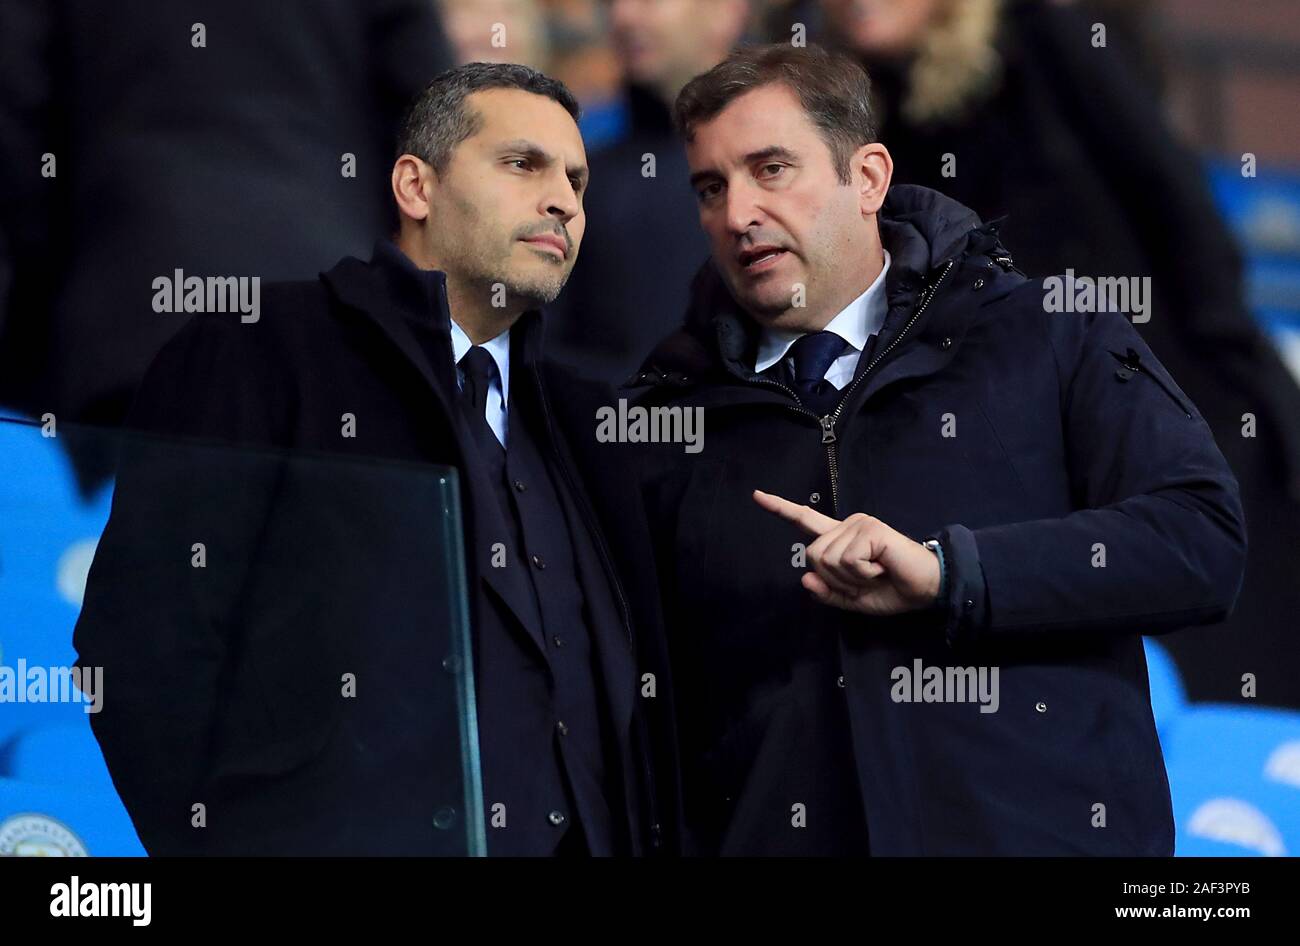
(498, 348)
(856, 323)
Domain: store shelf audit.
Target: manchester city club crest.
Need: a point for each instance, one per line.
(36, 835)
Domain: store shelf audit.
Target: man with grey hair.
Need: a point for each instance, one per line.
(434, 348)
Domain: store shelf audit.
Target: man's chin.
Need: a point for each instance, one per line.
(766, 299)
(535, 291)
(768, 309)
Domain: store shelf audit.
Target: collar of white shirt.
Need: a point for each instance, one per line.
(498, 348)
(856, 323)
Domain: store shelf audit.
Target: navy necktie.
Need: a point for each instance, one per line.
(813, 355)
(477, 368)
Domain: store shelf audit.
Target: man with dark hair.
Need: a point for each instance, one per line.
(439, 120)
(430, 352)
(906, 583)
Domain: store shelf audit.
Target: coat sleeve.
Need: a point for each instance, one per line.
(1157, 540)
(160, 610)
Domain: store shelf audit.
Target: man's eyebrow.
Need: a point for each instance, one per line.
(529, 149)
(706, 174)
(536, 153)
(754, 157)
(773, 151)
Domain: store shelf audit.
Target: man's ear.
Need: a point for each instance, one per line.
(873, 169)
(412, 179)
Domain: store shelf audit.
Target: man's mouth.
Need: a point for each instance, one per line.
(549, 242)
(760, 258)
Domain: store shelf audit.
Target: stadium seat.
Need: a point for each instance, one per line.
(59, 821)
(1168, 698)
(48, 533)
(1234, 774)
(58, 754)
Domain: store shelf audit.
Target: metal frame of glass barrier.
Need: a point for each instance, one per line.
(454, 535)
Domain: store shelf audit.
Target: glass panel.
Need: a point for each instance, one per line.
(264, 652)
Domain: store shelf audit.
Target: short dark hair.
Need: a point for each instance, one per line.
(834, 90)
(438, 120)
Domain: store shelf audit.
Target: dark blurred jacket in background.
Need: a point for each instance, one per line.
(224, 159)
(642, 247)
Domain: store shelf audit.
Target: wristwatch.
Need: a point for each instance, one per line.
(935, 546)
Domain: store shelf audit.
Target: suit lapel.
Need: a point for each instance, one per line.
(379, 297)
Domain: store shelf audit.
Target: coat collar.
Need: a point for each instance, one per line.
(392, 292)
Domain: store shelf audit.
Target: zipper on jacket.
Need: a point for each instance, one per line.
(827, 423)
(598, 537)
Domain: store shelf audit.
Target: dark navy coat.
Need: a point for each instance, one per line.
(332, 555)
(1081, 502)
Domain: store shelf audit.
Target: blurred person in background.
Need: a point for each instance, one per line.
(236, 139)
(497, 31)
(644, 244)
(566, 38)
(1009, 108)
(583, 59)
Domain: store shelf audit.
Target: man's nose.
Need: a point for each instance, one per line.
(743, 212)
(561, 200)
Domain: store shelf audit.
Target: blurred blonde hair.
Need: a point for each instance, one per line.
(956, 64)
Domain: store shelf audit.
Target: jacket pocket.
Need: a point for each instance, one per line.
(280, 715)
(276, 758)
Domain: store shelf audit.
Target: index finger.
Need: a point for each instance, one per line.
(812, 521)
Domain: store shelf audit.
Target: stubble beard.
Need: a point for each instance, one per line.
(538, 290)
(488, 264)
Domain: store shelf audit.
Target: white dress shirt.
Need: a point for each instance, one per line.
(499, 389)
(856, 323)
